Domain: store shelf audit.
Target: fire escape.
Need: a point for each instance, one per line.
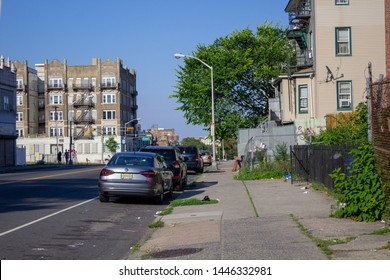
(299, 20)
(82, 118)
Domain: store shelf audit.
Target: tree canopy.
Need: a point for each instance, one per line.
(244, 64)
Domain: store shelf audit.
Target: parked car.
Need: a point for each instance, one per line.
(192, 158)
(175, 162)
(135, 174)
(206, 157)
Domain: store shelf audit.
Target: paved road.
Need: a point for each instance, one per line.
(55, 214)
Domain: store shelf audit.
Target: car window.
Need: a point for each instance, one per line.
(132, 160)
(167, 154)
(188, 150)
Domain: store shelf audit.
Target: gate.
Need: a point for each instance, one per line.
(314, 163)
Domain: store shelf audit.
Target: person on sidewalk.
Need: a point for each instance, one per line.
(237, 164)
(59, 157)
(66, 155)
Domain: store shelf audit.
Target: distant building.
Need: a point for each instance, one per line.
(164, 137)
(7, 113)
(90, 103)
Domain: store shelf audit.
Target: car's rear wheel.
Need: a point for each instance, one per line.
(103, 198)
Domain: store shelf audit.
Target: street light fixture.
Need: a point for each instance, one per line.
(212, 125)
(137, 119)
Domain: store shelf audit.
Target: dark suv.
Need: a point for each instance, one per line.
(192, 158)
(175, 162)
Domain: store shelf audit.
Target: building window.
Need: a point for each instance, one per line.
(109, 115)
(55, 99)
(53, 115)
(19, 100)
(53, 131)
(19, 83)
(19, 116)
(55, 82)
(108, 81)
(19, 132)
(70, 83)
(342, 2)
(303, 99)
(109, 98)
(344, 95)
(109, 130)
(343, 41)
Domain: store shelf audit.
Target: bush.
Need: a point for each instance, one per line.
(360, 194)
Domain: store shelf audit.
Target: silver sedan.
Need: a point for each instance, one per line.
(135, 174)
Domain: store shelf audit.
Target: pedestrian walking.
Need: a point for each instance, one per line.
(59, 157)
(66, 155)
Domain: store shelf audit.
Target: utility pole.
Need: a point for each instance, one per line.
(56, 119)
(368, 89)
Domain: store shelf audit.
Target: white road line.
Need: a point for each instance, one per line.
(46, 217)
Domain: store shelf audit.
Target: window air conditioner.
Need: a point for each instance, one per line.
(345, 103)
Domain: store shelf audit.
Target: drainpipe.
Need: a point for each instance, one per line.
(311, 96)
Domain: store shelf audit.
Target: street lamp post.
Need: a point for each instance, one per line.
(212, 125)
(137, 119)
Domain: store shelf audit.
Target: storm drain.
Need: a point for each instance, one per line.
(175, 253)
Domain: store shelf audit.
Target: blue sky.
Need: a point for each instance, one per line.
(144, 34)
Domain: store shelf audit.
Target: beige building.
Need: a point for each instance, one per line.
(77, 108)
(334, 42)
(7, 113)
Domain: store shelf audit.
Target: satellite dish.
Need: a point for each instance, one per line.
(330, 77)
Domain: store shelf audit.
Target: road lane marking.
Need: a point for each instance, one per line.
(46, 217)
(49, 176)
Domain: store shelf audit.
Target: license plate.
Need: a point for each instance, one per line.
(127, 176)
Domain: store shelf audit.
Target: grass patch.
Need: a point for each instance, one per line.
(191, 202)
(381, 231)
(322, 244)
(185, 202)
(266, 170)
(157, 224)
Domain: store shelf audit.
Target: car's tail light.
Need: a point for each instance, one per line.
(148, 173)
(106, 172)
(176, 165)
(196, 157)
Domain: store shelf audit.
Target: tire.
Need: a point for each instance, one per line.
(103, 198)
(159, 199)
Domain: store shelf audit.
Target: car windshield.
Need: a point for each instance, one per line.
(167, 154)
(188, 150)
(132, 160)
(203, 153)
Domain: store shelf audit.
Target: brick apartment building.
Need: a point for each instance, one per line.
(64, 107)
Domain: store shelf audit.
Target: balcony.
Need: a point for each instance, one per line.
(55, 86)
(83, 87)
(84, 118)
(108, 85)
(83, 133)
(84, 102)
(299, 12)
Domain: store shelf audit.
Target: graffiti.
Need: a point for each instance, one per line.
(305, 133)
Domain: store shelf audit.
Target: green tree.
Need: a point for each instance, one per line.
(189, 141)
(244, 64)
(112, 145)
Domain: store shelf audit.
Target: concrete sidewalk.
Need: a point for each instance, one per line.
(260, 220)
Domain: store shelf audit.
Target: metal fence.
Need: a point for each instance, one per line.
(314, 163)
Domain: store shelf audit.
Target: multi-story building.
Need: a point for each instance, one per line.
(77, 108)
(334, 42)
(164, 136)
(7, 113)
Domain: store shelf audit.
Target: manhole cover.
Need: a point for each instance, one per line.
(175, 253)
